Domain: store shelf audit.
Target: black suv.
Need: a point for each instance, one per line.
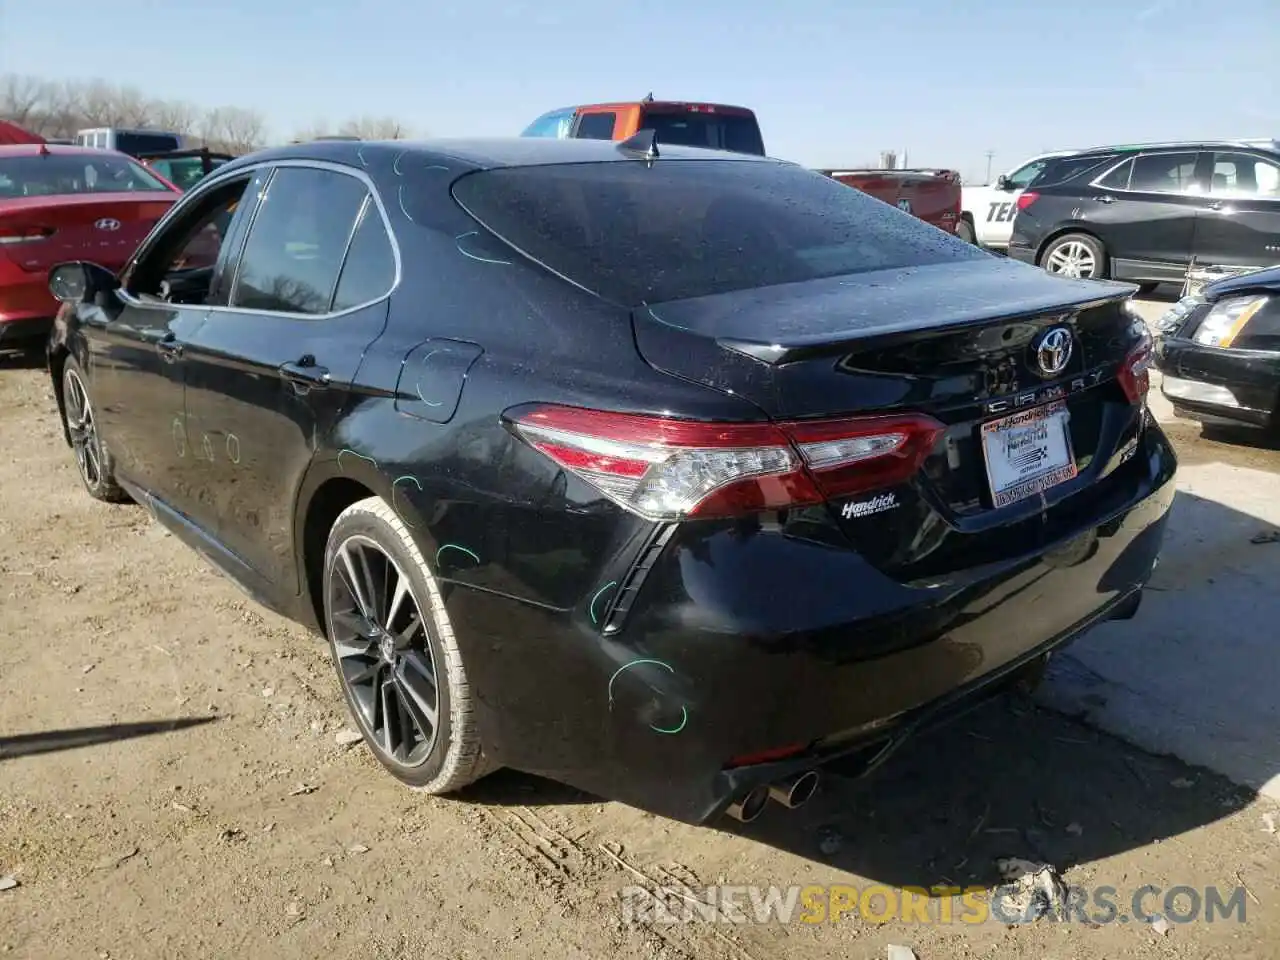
(1142, 213)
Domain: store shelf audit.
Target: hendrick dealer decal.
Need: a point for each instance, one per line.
(865, 508)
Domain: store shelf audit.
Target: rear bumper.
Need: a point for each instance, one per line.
(27, 308)
(743, 644)
(1022, 252)
(1216, 385)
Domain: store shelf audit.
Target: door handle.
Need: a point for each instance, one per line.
(1105, 198)
(168, 348)
(305, 375)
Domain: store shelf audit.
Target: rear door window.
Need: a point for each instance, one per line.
(555, 125)
(1164, 173)
(298, 241)
(638, 233)
(596, 126)
(734, 132)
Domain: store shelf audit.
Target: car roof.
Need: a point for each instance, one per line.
(56, 149)
(482, 153)
(1256, 144)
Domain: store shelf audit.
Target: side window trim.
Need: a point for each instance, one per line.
(371, 193)
(234, 283)
(1120, 162)
(346, 253)
(237, 232)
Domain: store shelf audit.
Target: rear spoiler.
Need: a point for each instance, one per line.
(939, 172)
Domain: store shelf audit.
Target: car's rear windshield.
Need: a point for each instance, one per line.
(55, 174)
(634, 232)
(738, 133)
(135, 144)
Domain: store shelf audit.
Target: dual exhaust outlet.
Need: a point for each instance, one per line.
(791, 792)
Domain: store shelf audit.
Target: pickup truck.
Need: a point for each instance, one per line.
(933, 195)
(714, 126)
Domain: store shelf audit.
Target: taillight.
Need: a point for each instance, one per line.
(10, 235)
(1027, 199)
(1135, 371)
(667, 469)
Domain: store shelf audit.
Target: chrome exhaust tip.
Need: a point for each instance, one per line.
(796, 790)
(750, 805)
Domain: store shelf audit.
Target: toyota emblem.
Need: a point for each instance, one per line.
(1054, 352)
(108, 223)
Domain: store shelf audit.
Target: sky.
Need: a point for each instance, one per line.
(833, 83)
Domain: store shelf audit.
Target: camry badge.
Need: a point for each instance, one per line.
(107, 223)
(1054, 352)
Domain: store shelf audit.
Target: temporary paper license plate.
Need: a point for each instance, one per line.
(1028, 452)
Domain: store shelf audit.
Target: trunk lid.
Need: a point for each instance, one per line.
(37, 233)
(959, 342)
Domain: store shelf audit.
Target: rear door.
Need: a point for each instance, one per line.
(1239, 222)
(1144, 210)
(270, 368)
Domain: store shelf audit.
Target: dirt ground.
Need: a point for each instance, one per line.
(171, 787)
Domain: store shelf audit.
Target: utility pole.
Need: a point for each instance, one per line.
(990, 154)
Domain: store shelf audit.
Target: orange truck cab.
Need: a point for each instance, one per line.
(713, 126)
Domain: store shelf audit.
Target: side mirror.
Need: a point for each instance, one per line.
(80, 281)
(1002, 183)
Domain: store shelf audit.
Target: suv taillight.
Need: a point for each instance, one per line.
(1027, 199)
(666, 469)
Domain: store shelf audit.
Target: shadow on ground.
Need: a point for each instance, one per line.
(52, 741)
(22, 358)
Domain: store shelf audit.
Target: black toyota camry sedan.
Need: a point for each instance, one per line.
(673, 475)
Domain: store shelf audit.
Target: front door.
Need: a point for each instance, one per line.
(135, 345)
(268, 373)
(1239, 223)
(1145, 213)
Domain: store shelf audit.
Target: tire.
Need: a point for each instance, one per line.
(966, 232)
(1075, 249)
(93, 461)
(381, 658)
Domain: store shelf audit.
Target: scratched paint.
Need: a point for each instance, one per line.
(595, 599)
(394, 505)
(233, 448)
(179, 431)
(684, 711)
(453, 546)
(206, 447)
(417, 385)
(466, 253)
(359, 456)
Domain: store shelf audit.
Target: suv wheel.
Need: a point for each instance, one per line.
(1076, 255)
(393, 646)
(97, 470)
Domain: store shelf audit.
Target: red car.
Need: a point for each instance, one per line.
(67, 203)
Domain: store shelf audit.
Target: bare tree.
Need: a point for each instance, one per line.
(233, 129)
(374, 128)
(175, 116)
(21, 97)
